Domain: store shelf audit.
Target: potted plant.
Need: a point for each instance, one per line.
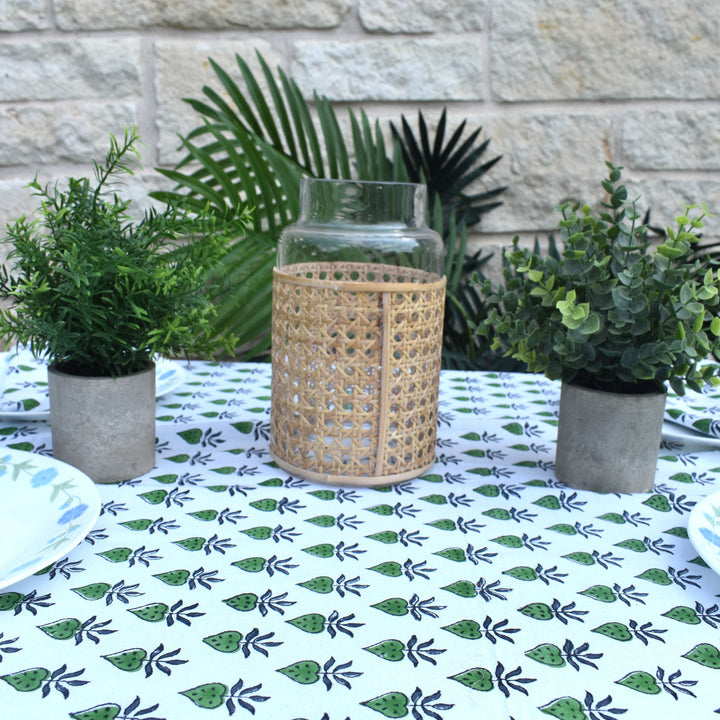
(615, 319)
(99, 294)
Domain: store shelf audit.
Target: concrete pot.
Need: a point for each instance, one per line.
(104, 426)
(608, 442)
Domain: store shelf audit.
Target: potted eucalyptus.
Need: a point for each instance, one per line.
(615, 318)
(99, 293)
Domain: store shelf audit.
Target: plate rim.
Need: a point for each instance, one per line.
(700, 544)
(681, 433)
(45, 414)
(90, 496)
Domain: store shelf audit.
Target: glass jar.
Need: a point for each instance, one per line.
(358, 305)
(357, 221)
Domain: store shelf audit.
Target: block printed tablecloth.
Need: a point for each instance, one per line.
(217, 585)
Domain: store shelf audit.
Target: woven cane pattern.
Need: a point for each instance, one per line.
(356, 365)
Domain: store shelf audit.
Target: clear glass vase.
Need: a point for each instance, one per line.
(358, 304)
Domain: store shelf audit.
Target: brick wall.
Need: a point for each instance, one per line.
(558, 85)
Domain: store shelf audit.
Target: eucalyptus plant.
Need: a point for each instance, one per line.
(614, 312)
(99, 293)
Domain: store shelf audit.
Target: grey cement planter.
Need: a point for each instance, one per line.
(608, 442)
(104, 426)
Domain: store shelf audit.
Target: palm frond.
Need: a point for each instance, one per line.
(448, 169)
(254, 143)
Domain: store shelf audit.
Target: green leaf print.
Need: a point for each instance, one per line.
(683, 614)
(391, 705)
(658, 502)
(392, 650)
(389, 568)
(153, 612)
(476, 679)
(656, 575)
(10, 600)
(305, 672)
(468, 629)
(705, 654)
(310, 623)
(565, 708)
(207, 696)
(227, 641)
(321, 584)
(65, 629)
(106, 711)
(547, 654)
(173, 577)
(27, 680)
(116, 555)
(641, 681)
(308, 672)
(614, 630)
(128, 660)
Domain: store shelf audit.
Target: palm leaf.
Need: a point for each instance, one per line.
(250, 151)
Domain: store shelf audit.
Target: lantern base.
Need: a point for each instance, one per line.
(355, 371)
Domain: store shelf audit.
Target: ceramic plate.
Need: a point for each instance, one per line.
(47, 509)
(704, 529)
(169, 376)
(687, 436)
(24, 394)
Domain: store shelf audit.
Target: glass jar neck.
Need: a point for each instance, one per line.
(356, 202)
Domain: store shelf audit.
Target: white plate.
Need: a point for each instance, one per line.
(169, 376)
(47, 508)
(704, 529)
(687, 436)
(24, 394)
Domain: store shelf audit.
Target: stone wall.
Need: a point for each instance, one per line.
(558, 86)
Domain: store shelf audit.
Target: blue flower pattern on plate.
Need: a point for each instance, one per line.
(64, 501)
(45, 476)
(72, 514)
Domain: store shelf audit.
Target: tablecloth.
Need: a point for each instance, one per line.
(218, 585)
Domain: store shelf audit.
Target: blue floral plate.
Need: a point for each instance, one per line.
(47, 508)
(704, 529)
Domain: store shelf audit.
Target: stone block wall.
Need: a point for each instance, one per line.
(559, 86)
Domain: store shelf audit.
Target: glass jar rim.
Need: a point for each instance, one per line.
(350, 181)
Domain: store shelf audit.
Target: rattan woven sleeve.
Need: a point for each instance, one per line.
(356, 364)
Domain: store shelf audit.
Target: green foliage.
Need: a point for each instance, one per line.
(613, 312)
(274, 137)
(449, 169)
(100, 293)
(250, 152)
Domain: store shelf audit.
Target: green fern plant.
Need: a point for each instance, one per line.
(99, 293)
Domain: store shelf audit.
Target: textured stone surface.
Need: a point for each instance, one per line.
(559, 86)
(547, 159)
(422, 16)
(199, 14)
(672, 139)
(561, 49)
(17, 199)
(19, 15)
(43, 135)
(70, 69)
(662, 196)
(415, 69)
(182, 69)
